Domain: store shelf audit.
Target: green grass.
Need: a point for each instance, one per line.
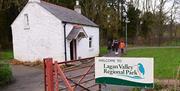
(5, 70)
(6, 55)
(166, 60)
(103, 50)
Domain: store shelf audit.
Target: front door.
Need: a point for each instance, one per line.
(73, 50)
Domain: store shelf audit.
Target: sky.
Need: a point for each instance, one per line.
(155, 4)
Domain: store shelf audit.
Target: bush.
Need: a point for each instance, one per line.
(5, 74)
(103, 50)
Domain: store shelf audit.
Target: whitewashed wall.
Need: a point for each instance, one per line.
(44, 38)
(83, 49)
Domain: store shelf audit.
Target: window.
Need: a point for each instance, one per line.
(26, 21)
(90, 42)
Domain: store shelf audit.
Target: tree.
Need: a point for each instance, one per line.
(133, 15)
(8, 11)
(65, 3)
(161, 20)
(147, 24)
(104, 14)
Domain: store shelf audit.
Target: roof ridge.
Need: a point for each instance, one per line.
(66, 14)
(58, 6)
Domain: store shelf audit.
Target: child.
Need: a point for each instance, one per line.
(122, 46)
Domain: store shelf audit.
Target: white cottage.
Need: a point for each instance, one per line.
(44, 30)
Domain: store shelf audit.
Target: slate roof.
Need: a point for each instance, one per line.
(67, 15)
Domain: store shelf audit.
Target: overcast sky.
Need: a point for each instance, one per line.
(156, 3)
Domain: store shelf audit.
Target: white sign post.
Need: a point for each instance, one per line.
(137, 72)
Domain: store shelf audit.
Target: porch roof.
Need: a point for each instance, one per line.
(77, 32)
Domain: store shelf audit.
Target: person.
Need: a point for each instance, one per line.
(116, 45)
(122, 46)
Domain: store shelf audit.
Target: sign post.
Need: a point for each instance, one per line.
(136, 72)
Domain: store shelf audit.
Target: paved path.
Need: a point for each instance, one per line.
(115, 87)
(26, 79)
(112, 54)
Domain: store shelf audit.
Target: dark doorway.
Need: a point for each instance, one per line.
(73, 50)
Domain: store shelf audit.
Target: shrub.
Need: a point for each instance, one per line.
(5, 74)
(103, 50)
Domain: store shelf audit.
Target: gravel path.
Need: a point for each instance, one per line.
(26, 79)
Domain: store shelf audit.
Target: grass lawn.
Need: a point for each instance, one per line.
(103, 50)
(6, 55)
(166, 60)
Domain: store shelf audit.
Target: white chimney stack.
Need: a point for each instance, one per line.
(77, 2)
(37, 1)
(77, 7)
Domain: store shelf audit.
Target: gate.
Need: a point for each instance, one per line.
(76, 75)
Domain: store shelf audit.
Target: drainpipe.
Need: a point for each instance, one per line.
(65, 53)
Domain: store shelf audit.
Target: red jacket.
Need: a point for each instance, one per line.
(122, 45)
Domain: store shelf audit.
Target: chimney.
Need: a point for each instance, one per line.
(77, 7)
(37, 1)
